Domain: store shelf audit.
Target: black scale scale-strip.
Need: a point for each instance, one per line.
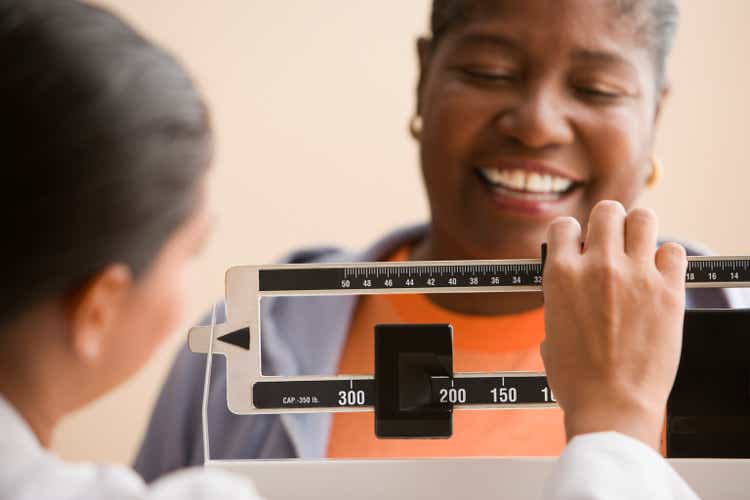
(447, 276)
(361, 393)
(459, 390)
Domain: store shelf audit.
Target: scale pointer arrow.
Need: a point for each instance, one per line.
(240, 338)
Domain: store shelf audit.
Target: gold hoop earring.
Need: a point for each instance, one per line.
(415, 127)
(656, 173)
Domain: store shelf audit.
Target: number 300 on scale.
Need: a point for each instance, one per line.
(351, 398)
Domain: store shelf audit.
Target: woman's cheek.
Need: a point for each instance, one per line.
(455, 125)
(174, 301)
(619, 153)
(166, 304)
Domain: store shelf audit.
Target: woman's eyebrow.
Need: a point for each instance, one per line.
(602, 57)
(486, 39)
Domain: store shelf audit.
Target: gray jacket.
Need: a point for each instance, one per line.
(320, 325)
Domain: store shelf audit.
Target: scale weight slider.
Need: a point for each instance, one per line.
(407, 359)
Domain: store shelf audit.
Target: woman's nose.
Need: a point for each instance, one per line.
(537, 120)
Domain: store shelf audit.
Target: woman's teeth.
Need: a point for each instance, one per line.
(525, 181)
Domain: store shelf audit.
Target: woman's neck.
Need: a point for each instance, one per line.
(33, 377)
(481, 304)
(39, 418)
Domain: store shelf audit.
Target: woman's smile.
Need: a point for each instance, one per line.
(528, 188)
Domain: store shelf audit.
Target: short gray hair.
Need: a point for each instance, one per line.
(657, 22)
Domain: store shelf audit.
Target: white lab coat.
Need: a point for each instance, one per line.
(612, 466)
(29, 472)
(595, 466)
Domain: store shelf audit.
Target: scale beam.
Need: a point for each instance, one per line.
(239, 338)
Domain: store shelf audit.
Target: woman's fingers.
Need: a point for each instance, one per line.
(641, 234)
(605, 233)
(563, 238)
(613, 323)
(671, 261)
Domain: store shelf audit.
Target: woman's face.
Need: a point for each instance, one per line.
(532, 110)
(153, 307)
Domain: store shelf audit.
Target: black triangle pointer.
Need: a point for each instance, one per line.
(240, 338)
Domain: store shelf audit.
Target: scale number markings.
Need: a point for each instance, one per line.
(492, 390)
(313, 394)
(501, 274)
(549, 397)
(453, 395)
(351, 398)
(504, 394)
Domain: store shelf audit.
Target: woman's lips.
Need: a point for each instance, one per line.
(530, 192)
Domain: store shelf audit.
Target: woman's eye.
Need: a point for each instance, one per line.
(487, 76)
(596, 93)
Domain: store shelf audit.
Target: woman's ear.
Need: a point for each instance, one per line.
(95, 308)
(661, 100)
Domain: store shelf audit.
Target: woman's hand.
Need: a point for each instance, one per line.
(613, 321)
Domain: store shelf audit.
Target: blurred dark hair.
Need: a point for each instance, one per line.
(105, 140)
(656, 21)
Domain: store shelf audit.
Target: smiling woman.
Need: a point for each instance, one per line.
(525, 111)
(522, 124)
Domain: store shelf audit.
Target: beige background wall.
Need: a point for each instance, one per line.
(311, 99)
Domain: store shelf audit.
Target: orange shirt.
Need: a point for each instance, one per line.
(480, 343)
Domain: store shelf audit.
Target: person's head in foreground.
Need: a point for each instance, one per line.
(530, 110)
(106, 143)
